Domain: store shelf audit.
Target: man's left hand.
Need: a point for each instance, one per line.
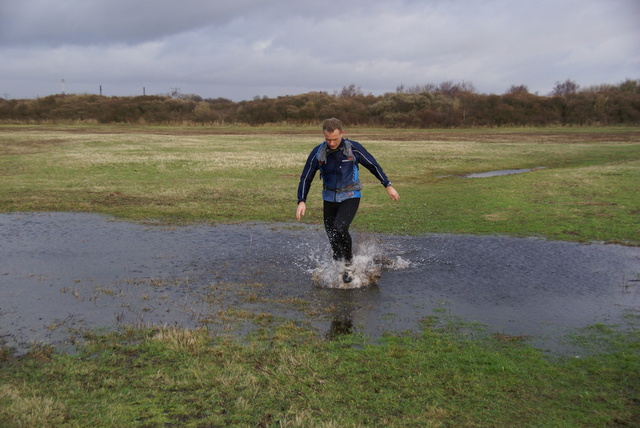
(393, 194)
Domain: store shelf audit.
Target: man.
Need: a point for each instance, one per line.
(338, 158)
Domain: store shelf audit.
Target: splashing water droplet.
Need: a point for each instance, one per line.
(367, 264)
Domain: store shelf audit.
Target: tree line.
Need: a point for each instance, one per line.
(445, 105)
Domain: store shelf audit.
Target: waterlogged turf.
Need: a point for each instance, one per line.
(63, 274)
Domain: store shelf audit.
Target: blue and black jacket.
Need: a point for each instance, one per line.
(339, 171)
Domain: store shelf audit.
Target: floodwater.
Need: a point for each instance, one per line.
(64, 273)
(501, 172)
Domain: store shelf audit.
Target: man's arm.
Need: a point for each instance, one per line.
(367, 160)
(308, 173)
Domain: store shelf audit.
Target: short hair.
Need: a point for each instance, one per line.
(332, 124)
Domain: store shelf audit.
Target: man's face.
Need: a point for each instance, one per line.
(333, 138)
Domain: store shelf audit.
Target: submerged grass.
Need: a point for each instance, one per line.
(287, 376)
(587, 190)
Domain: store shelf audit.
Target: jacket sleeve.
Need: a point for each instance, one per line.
(368, 161)
(308, 173)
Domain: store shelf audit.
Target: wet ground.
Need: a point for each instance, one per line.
(64, 273)
(501, 172)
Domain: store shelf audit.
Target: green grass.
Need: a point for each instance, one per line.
(587, 191)
(287, 376)
(445, 375)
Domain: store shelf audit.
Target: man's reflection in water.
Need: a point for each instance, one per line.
(350, 309)
(340, 325)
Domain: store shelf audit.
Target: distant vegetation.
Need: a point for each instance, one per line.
(446, 105)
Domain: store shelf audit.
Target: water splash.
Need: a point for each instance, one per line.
(368, 262)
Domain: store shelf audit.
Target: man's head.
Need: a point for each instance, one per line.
(332, 124)
(333, 132)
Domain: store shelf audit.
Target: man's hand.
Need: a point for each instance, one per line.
(302, 207)
(393, 194)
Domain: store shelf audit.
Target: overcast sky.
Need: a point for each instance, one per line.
(240, 49)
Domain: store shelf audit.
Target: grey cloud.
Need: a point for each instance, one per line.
(238, 47)
(84, 22)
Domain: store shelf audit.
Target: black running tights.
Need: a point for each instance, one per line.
(337, 219)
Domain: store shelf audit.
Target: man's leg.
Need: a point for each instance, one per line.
(330, 212)
(337, 219)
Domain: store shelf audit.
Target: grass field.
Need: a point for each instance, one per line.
(587, 190)
(446, 375)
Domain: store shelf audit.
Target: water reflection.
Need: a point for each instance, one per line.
(340, 325)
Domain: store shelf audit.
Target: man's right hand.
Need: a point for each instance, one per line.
(302, 207)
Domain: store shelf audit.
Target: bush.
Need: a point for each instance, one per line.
(427, 106)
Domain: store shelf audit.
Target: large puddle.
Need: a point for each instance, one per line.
(64, 273)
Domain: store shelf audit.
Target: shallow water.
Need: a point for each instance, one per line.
(501, 172)
(63, 273)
